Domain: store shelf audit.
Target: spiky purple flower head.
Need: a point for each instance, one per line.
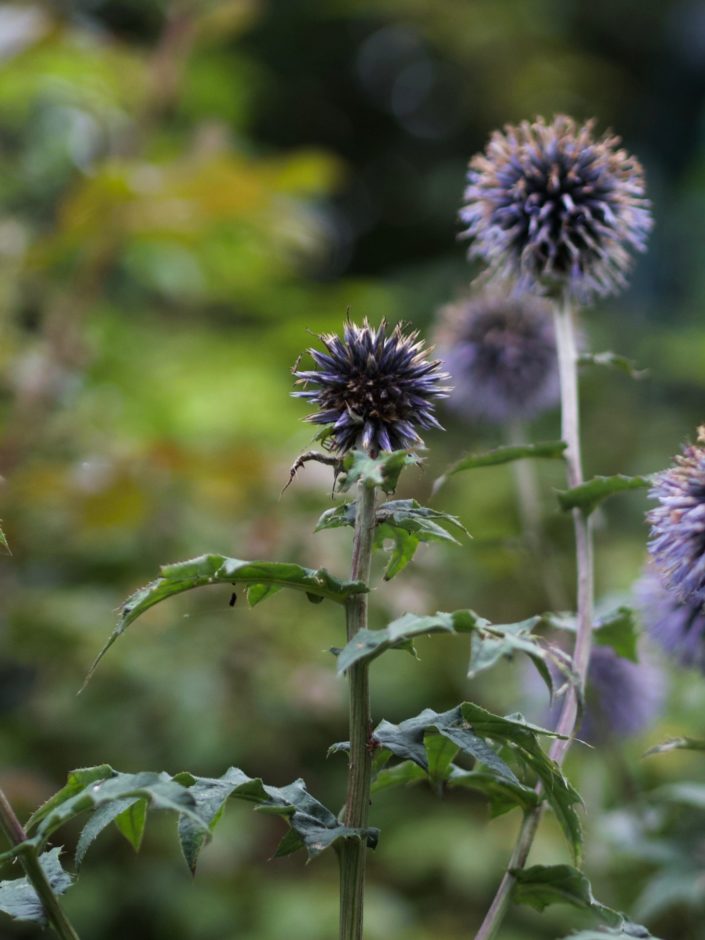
(677, 627)
(622, 698)
(557, 208)
(500, 351)
(677, 540)
(373, 387)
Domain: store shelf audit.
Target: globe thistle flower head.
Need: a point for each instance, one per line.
(374, 388)
(500, 352)
(622, 698)
(677, 627)
(557, 208)
(677, 539)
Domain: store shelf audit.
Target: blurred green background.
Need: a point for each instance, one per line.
(186, 188)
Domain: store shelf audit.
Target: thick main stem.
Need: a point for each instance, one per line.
(352, 853)
(11, 826)
(564, 323)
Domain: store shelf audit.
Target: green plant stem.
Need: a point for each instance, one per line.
(36, 875)
(352, 853)
(564, 323)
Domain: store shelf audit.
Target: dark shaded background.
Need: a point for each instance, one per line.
(185, 189)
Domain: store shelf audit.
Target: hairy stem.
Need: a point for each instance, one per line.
(11, 826)
(353, 851)
(564, 321)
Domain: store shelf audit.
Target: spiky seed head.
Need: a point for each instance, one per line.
(374, 388)
(500, 351)
(677, 539)
(677, 627)
(557, 208)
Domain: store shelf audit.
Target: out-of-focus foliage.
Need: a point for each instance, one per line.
(186, 187)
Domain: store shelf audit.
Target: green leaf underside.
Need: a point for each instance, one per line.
(543, 885)
(382, 471)
(199, 802)
(403, 522)
(264, 578)
(618, 629)
(476, 733)
(590, 494)
(676, 744)
(613, 361)
(545, 450)
(490, 642)
(20, 901)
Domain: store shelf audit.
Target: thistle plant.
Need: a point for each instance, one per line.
(559, 212)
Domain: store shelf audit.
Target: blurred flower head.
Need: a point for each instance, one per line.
(622, 698)
(557, 208)
(677, 540)
(677, 627)
(373, 387)
(500, 352)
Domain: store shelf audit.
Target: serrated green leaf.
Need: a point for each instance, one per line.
(259, 592)
(676, 744)
(403, 522)
(546, 450)
(543, 885)
(514, 730)
(217, 569)
(131, 822)
(502, 795)
(613, 361)
(617, 629)
(3, 541)
(210, 796)
(440, 754)
(400, 775)
(367, 645)
(18, 898)
(313, 826)
(159, 790)
(338, 517)
(472, 728)
(99, 821)
(590, 494)
(490, 642)
(382, 471)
